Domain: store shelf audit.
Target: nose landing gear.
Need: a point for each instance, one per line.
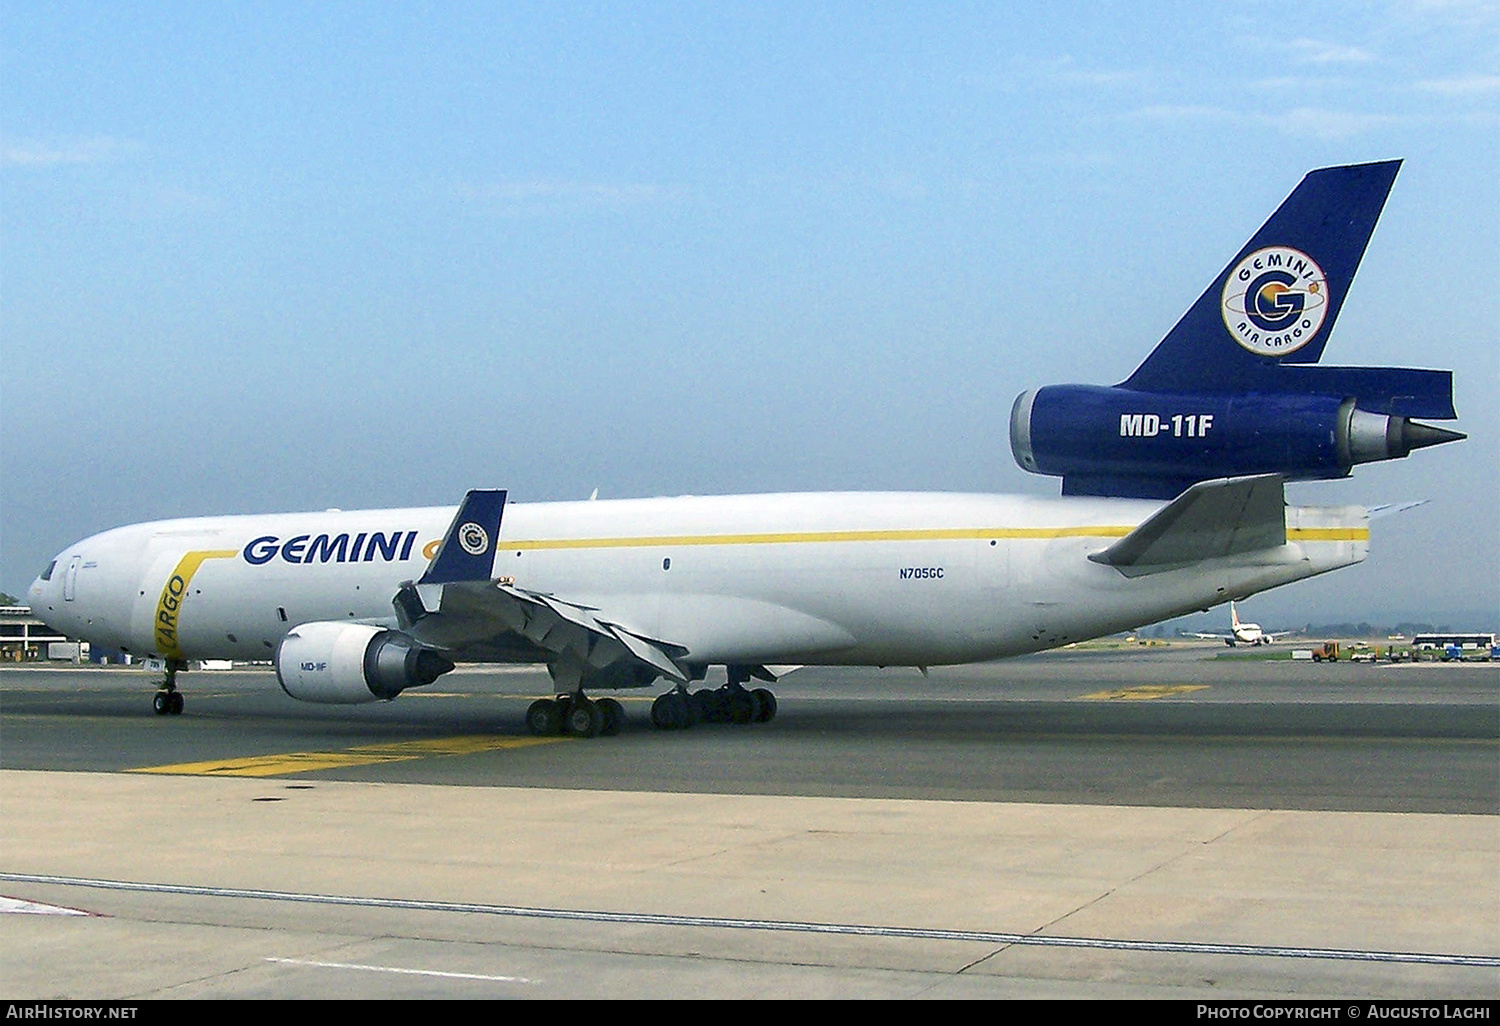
(168, 701)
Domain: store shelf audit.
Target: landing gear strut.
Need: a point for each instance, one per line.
(168, 701)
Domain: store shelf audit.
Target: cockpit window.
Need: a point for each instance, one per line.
(47, 573)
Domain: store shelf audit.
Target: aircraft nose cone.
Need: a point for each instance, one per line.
(40, 599)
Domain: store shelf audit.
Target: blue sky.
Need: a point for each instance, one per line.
(265, 257)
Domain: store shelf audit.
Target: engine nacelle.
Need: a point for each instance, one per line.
(1119, 441)
(348, 663)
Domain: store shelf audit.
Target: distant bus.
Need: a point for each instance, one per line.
(1441, 641)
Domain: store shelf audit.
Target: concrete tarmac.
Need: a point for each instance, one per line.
(307, 884)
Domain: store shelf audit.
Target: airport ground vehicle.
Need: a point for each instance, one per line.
(1328, 651)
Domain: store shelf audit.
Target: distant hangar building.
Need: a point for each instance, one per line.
(25, 638)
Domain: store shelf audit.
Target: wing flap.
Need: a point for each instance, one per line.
(457, 606)
(599, 633)
(1210, 520)
(473, 614)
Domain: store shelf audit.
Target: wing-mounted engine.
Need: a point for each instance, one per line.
(350, 663)
(1234, 388)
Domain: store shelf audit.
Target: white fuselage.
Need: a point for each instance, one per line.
(1249, 634)
(832, 578)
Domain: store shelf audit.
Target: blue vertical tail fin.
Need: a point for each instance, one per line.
(1276, 301)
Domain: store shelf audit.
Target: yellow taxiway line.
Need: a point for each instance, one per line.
(1143, 693)
(361, 755)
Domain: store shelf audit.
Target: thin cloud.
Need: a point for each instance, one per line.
(1316, 122)
(1463, 13)
(1183, 112)
(1325, 123)
(544, 198)
(1295, 83)
(36, 154)
(1095, 78)
(1465, 85)
(1316, 51)
(1057, 71)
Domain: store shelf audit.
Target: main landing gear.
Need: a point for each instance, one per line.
(679, 708)
(168, 701)
(575, 714)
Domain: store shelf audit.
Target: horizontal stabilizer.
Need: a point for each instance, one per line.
(1398, 391)
(468, 549)
(1390, 509)
(1210, 520)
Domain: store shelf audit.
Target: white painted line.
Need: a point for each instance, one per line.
(779, 925)
(20, 906)
(398, 969)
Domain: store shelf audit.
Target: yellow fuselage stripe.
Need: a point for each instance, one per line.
(801, 537)
(930, 534)
(173, 593)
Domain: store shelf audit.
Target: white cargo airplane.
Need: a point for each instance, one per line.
(1173, 502)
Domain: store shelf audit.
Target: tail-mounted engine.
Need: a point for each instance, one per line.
(349, 663)
(1118, 441)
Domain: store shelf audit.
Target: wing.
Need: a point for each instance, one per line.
(459, 608)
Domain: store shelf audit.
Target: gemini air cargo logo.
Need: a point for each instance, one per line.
(473, 538)
(1275, 301)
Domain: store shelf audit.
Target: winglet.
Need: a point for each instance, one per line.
(468, 549)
